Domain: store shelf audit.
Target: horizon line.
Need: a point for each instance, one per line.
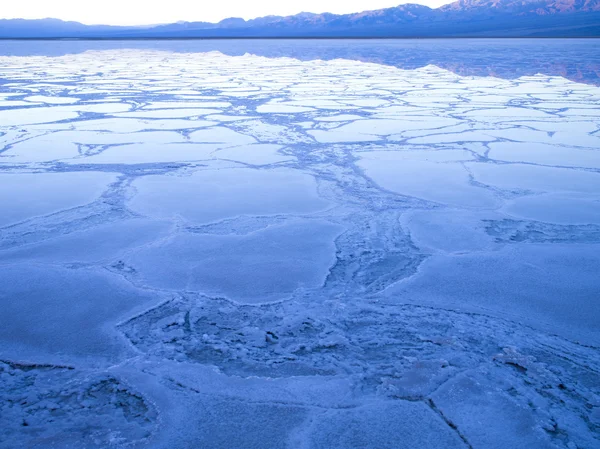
(212, 38)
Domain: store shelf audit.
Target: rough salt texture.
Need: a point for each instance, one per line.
(201, 250)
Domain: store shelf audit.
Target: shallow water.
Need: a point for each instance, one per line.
(267, 243)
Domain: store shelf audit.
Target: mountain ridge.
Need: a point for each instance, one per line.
(463, 18)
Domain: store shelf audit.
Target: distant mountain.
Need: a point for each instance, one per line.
(21, 28)
(464, 18)
(522, 7)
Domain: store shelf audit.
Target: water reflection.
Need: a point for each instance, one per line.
(574, 59)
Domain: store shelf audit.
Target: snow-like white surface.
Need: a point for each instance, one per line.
(210, 251)
(266, 265)
(207, 196)
(27, 195)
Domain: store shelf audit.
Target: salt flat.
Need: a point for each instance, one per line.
(220, 251)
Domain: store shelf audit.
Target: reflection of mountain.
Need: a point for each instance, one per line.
(461, 18)
(575, 59)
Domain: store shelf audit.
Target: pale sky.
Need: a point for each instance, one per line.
(142, 12)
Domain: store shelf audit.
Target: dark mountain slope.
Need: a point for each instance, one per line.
(501, 18)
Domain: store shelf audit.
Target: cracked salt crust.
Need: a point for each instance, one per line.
(337, 254)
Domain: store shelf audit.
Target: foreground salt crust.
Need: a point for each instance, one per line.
(214, 251)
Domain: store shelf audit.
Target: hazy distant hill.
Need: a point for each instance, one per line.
(502, 18)
(51, 27)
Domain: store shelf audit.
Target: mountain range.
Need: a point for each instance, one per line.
(463, 18)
